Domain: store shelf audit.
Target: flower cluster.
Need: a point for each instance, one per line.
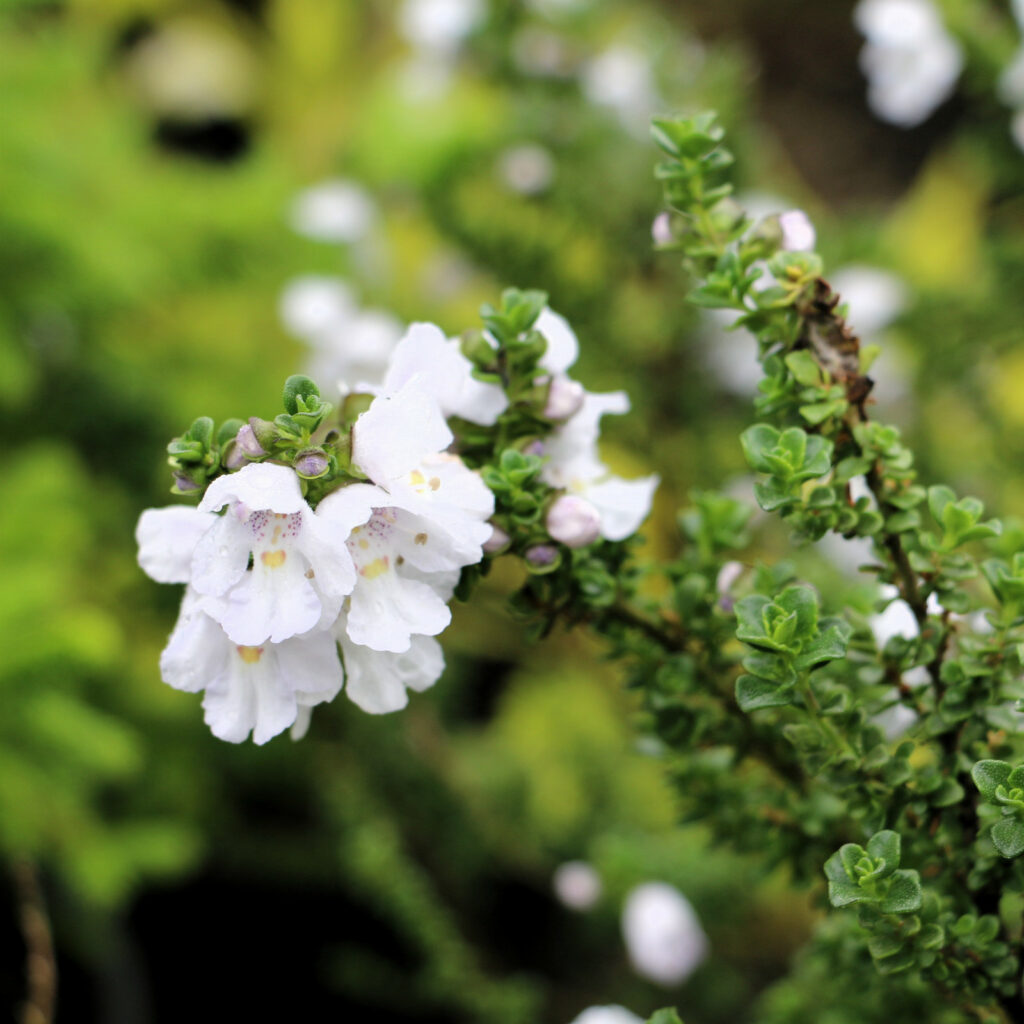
(910, 60)
(313, 538)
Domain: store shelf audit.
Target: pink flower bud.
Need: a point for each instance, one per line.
(573, 521)
(312, 463)
(661, 229)
(497, 541)
(236, 457)
(565, 398)
(542, 554)
(246, 443)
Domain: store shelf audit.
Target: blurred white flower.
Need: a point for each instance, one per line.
(875, 297)
(333, 211)
(314, 307)
(528, 169)
(911, 62)
(577, 885)
(798, 233)
(351, 346)
(541, 52)
(663, 937)
(607, 1015)
(621, 78)
(439, 26)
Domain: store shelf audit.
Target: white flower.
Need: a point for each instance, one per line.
(911, 62)
(333, 211)
(315, 307)
(351, 346)
(528, 169)
(875, 297)
(621, 78)
(574, 465)
(445, 374)
(439, 26)
(257, 689)
(797, 231)
(379, 681)
(301, 568)
(577, 885)
(663, 937)
(429, 517)
(607, 1015)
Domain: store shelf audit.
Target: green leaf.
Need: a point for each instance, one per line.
(665, 1017)
(939, 497)
(753, 693)
(803, 602)
(804, 368)
(295, 387)
(905, 895)
(756, 442)
(825, 647)
(1008, 837)
(201, 431)
(842, 890)
(989, 775)
(885, 846)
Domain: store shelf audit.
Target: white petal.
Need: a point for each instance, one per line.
(622, 504)
(303, 716)
(397, 432)
(269, 603)
(563, 348)
(310, 667)
(221, 556)
(249, 697)
(387, 609)
(258, 486)
(167, 537)
(378, 682)
(197, 650)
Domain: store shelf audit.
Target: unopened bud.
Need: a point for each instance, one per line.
(565, 398)
(498, 540)
(534, 448)
(661, 229)
(264, 434)
(246, 443)
(184, 484)
(797, 231)
(573, 521)
(235, 458)
(312, 463)
(542, 555)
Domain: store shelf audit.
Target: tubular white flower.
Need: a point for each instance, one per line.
(428, 519)
(301, 569)
(445, 374)
(663, 937)
(258, 689)
(563, 346)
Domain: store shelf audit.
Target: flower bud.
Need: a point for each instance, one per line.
(235, 457)
(661, 229)
(797, 231)
(573, 521)
(312, 463)
(498, 540)
(565, 398)
(542, 555)
(246, 443)
(184, 484)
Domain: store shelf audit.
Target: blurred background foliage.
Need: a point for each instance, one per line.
(400, 868)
